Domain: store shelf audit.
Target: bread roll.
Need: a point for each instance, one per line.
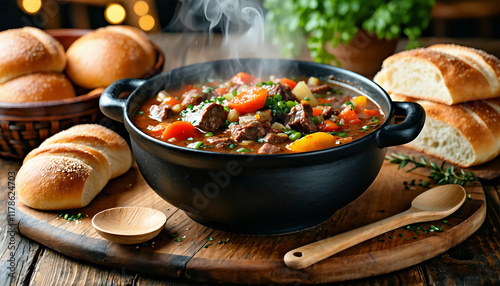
(28, 50)
(466, 134)
(37, 87)
(108, 54)
(57, 176)
(112, 145)
(436, 76)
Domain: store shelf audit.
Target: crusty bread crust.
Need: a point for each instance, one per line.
(108, 54)
(446, 79)
(37, 87)
(28, 50)
(112, 145)
(65, 174)
(465, 134)
(485, 63)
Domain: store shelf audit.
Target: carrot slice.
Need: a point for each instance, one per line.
(286, 81)
(349, 116)
(171, 100)
(317, 111)
(249, 100)
(371, 112)
(180, 130)
(328, 126)
(242, 78)
(222, 90)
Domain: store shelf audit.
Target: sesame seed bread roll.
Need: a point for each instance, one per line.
(29, 50)
(37, 87)
(59, 182)
(108, 54)
(434, 76)
(466, 134)
(108, 142)
(71, 168)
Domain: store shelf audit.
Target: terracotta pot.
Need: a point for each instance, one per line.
(365, 54)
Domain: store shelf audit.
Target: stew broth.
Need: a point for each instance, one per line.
(248, 115)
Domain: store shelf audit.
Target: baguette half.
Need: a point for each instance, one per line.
(466, 134)
(444, 77)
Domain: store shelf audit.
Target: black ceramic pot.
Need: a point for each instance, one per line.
(260, 194)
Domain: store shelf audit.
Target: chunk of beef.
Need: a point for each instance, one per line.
(209, 118)
(274, 138)
(284, 90)
(300, 118)
(160, 112)
(269, 149)
(329, 111)
(220, 142)
(194, 97)
(249, 131)
(263, 116)
(320, 88)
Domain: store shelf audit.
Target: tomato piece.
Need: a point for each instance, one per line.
(286, 81)
(222, 90)
(317, 111)
(171, 100)
(249, 100)
(180, 130)
(328, 126)
(349, 116)
(242, 78)
(313, 142)
(371, 112)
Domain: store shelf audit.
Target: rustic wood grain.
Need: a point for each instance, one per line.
(203, 254)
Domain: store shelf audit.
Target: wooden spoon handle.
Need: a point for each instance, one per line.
(314, 252)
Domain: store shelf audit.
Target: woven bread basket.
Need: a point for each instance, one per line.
(24, 126)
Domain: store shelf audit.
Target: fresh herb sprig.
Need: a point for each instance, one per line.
(439, 174)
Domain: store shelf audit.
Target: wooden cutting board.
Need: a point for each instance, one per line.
(188, 250)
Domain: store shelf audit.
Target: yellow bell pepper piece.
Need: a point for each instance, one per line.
(360, 101)
(313, 142)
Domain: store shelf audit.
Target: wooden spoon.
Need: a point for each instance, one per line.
(129, 225)
(433, 204)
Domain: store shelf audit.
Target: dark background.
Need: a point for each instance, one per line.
(11, 16)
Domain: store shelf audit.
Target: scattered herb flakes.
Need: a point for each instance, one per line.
(401, 234)
(174, 235)
(210, 239)
(381, 239)
(439, 174)
(391, 237)
(206, 245)
(219, 242)
(406, 238)
(227, 240)
(445, 221)
(415, 237)
(71, 217)
(179, 239)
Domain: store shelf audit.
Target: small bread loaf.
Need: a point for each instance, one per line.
(64, 174)
(37, 87)
(29, 50)
(446, 74)
(466, 134)
(108, 54)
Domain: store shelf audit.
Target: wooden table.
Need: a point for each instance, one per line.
(473, 262)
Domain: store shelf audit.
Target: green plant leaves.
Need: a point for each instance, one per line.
(337, 21)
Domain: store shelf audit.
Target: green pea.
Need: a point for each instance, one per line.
(294, 136)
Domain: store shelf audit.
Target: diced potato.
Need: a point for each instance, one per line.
(314, 81)
(301, 91)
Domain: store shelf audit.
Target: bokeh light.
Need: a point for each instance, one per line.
(115, 13)
(146, 22)
(141, 8)
(31, 6)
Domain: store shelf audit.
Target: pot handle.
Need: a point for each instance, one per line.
(110, 104)
(406, 131)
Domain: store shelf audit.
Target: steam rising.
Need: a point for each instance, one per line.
(221, 29)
